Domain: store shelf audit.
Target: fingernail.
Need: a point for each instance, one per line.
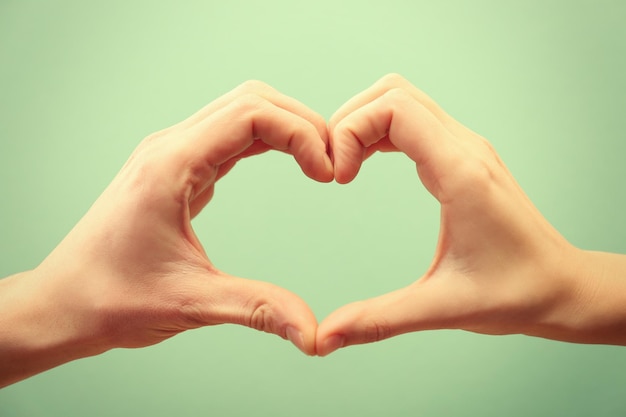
(295, 337)
(332, 344)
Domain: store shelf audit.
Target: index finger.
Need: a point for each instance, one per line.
(230, 131)
(382, 86)
(398, 118)
(261, 89)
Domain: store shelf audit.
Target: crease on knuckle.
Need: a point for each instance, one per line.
(262, 318)
(377, 330)
(245, 109)
(351, 132)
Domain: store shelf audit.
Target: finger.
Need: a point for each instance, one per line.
(258, 305)
(421, 306)
(382, 86)
(230, 131)
(258, 147)
(397, 117)
(204, 195)
(265, 91)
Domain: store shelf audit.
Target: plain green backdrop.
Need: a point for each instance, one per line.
(81, 83)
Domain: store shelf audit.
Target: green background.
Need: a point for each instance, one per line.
(82, 83)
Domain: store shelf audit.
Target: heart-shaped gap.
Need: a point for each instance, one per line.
(331, 244)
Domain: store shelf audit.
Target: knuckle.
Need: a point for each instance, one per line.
(247, 103)
(484, 167)
(149, 143)
(472, 175)
(397, 94)
(253, 86)
(489, 149)
(262, 318)
(377, 330)
(392, 80)
(143, 164)
(151, 138)
(477, 172)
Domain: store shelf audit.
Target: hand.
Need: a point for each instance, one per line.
(133, 273)
(499, 266)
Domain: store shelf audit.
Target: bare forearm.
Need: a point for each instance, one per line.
(35, 334)
(592, 308)
(603, 317)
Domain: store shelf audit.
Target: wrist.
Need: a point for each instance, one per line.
(589, 299)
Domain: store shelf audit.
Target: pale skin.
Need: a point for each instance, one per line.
(499, 267)
(132, 272)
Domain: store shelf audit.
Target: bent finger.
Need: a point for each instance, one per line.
(397, 117)
(269, 93)
(382, 86)
(230, 131)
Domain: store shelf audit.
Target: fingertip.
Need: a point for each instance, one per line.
(310, 151)
(296, 337)
(334, 331)
(329, 175)
(348, 155)
(347, 170)
(331, 344)
(318, 168)
(344, 178)
(301, 331)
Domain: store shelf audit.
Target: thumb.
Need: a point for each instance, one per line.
(262, 306)
(424, 305)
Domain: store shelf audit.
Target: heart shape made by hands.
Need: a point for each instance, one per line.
(150, 278)
(489, 230)
(132, 272)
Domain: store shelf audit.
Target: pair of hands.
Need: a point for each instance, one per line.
(133, 273)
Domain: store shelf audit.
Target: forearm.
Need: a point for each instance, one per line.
(592, 307)
(36, 334)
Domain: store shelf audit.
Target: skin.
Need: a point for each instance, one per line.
(499, 266)
(132, 272)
